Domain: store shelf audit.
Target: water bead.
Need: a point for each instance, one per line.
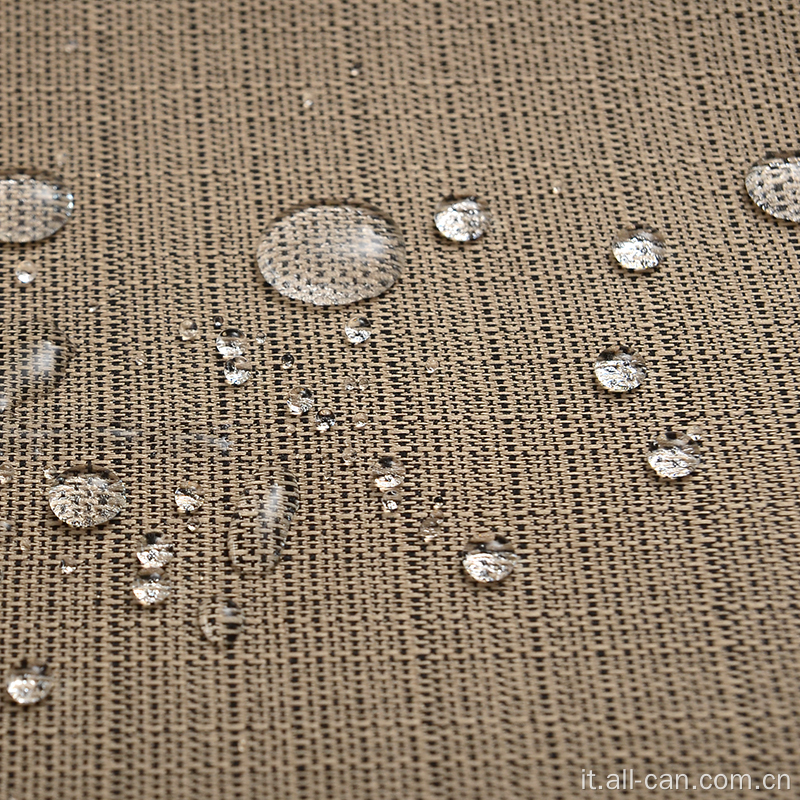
(287, 361)
(188, 330)
(237, 371)
(390, 500)
(360, 419)
(431, 365)
(32, 207)
(331, 254)
(638, 250)
(156, 555)
(220, 620)
(84, 496)
(486, 567)
(29, 685)
(618, 369)
(151, 589)
(299, 401)
(229, 344)
(673, 455)
(357, 329)
(7, 473)
(388, 473)
(461, 220)
(324, 419)
(188, 498)
(25, 272)
(774, 186)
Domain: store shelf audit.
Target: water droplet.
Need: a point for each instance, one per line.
(68, 566)
(461, 220)
(287, 361)
(638, 250)
(390, 500)
(556, 189)
(218, 322)
(308, 99)
(357, 329)
(138, 358)
(486, 567)
(261, 339)
(7, 473)
(618, 369)
(85, 495)
(355, 70)
(71, 46)
(237, 371)
(774, 186)
(673, 455)
(188, 330)
(25, 272)
(299, 401)
(356, 382)
(157, 555)
(188, 498)
(29, 685)
(324, 419)
(264, 512)
(24, 543)
(431, 365)
(229, 344)
(221, 620)
(331, 255)
(360, 419)
(32, 207)
(31, 364)
(349, 456)
(388, 473)
(431, 526)
(151, 589)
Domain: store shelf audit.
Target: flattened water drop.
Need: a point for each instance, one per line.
(619, 369)
(33, 363)
(29, 685)
(237, 371)
(461, 220)
(331, 255)
(84, 496)
(188, 498)
(673, 455)
(638, 250)
(32, 207)
(258, 532)
(357, 329)
(25, 272)
(221, 620)
(774, 186)
(151, 589)
(157, 555)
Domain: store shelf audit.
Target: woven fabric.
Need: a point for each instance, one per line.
(650, 626)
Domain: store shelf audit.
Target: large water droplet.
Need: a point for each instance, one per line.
(29, 685)
(229, 343)
(237, 371)
(299, 401)
(221, 620)
(673, 455)
(489, 562)
(188, 498)
(461, 220)
(357, 329)
(32, 207)
(388, 473)
(31, 364)
(157, 555)
(774, 186)
(331, 255)
(618, 369)
(638, 250)
(25, 272)
(151, 589)
(84, 495)
(258, 532)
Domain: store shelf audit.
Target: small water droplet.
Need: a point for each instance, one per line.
(349, 456)
(618, 369)
(390, 500)
(308, 99)
(299, 401)
(431, 365)
(324, 419)
(356, 382)
(188, 498)
(32, 207)
(264, 512)
(157, 555)
(85, 495)
(431, 526)
(357, 329)
(237, 371)
(7, 473)
(388, 473)
(29, 685)
(556, 189)
(70, 46)
(774, 186)
(25, 272)
(24, 543)
(461, 220)
(68, 565)
(355, 70)
(151, 589)
(331, 255)
(188, 330)
(360, 419)
(138, 358)
(229, 343)
(287, 361)
(260, 339)
(638, 250)
(488, 560)
(672, 455)
(218, 322)
(221, 620)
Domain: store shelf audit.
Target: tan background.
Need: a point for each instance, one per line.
(651, 627)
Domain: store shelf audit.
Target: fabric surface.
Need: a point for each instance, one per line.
(650, 626)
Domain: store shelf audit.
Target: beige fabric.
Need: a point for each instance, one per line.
(650, 627)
